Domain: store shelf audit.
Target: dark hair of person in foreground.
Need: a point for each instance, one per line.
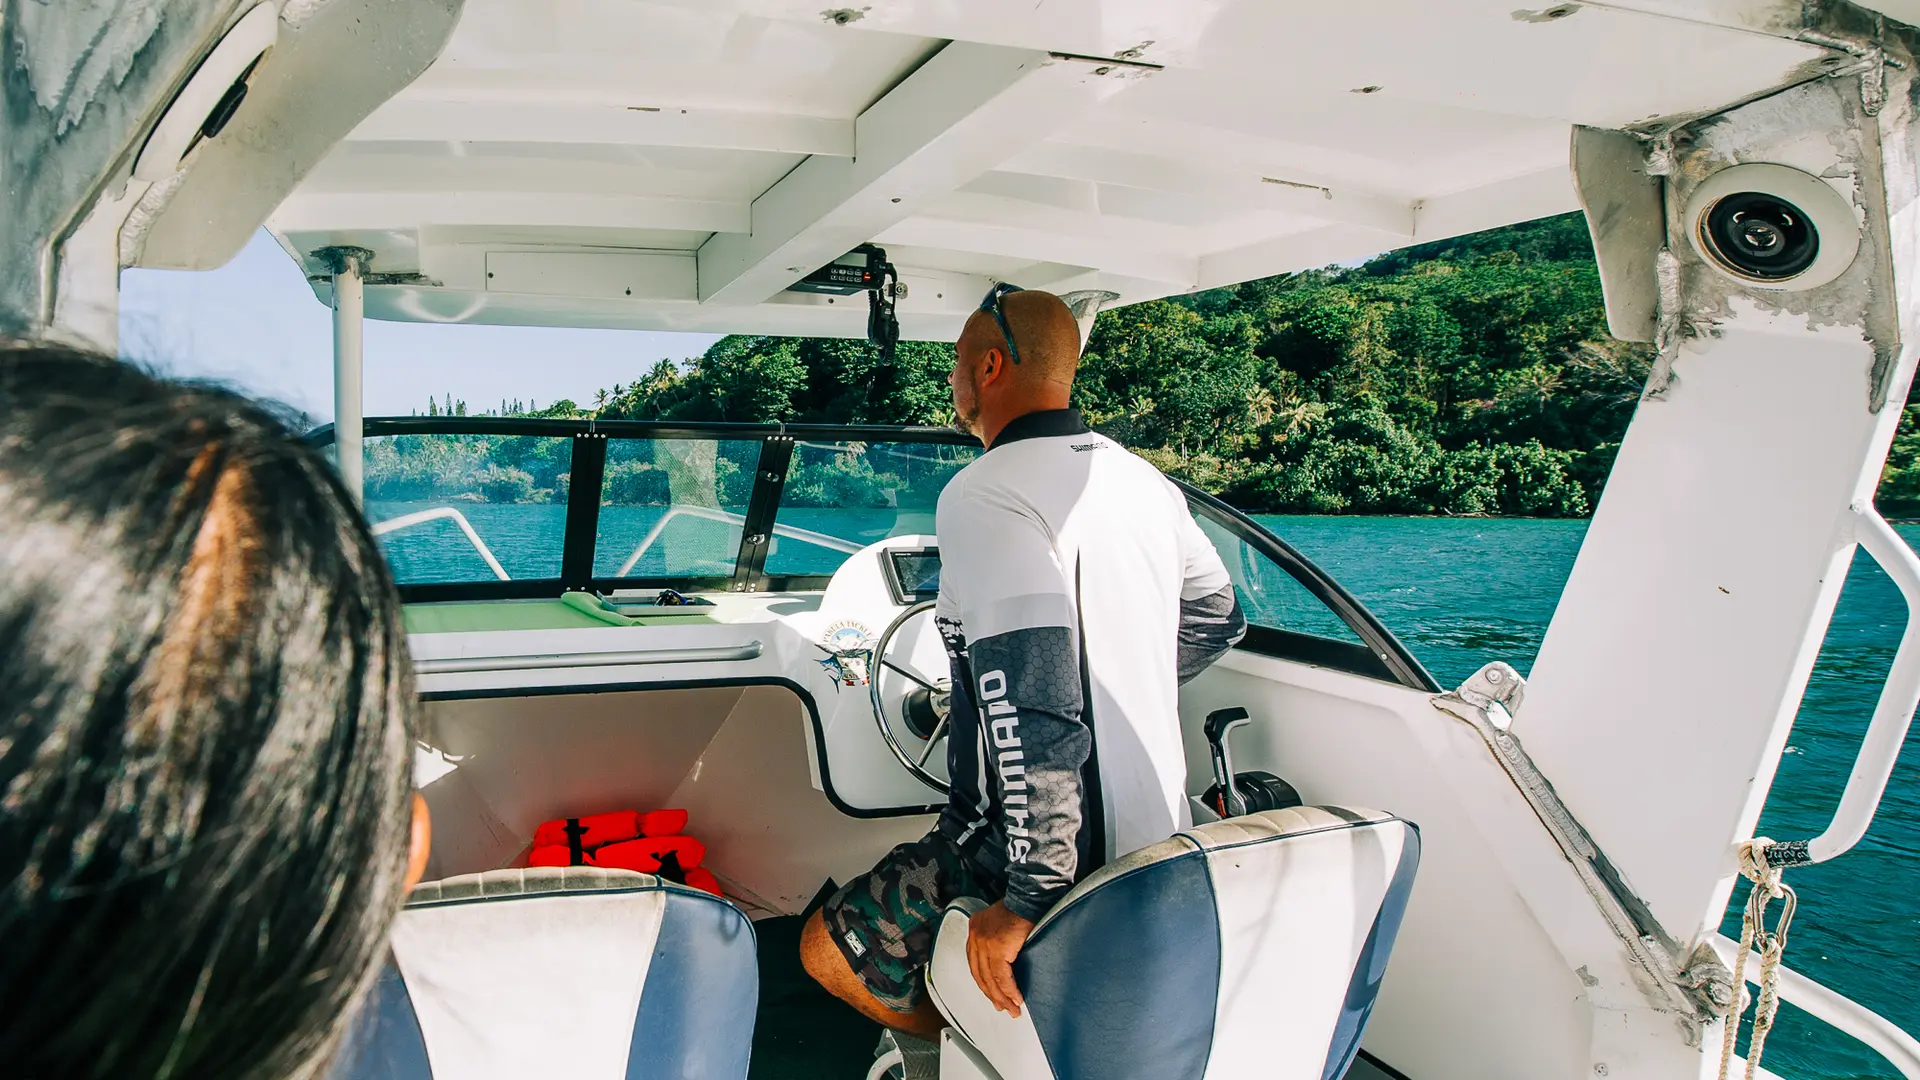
(205, 732)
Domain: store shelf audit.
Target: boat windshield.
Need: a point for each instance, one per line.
(476, 507)
(488, 508)
(858, 493)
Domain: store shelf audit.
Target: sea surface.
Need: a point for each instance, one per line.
(1459, 593)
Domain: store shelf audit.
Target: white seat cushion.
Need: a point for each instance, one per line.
(582, 972)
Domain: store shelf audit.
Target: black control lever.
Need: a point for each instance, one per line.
(1220, 723)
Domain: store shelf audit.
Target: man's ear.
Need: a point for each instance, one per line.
(421, 842)
(993, 364)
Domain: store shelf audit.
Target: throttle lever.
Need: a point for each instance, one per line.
(1220, 723)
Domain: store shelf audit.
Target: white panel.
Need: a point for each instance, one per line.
(702, 56)
(1010, 1044)
(646, 276)
(1294, 914)
(332, 64)
(1595, 66)
(541, 986)
(1693, 615)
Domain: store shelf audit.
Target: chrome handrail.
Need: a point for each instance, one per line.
(709, 514)
(1893, 713)
(407, 521)
(719, 654)
(1821, 1002)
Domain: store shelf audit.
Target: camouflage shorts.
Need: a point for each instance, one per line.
(885, 920)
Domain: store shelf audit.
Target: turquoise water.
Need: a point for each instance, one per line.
(1460, 593)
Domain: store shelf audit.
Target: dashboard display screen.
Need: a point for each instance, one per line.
(914, 574)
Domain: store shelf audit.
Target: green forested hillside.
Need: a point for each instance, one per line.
(1471, 376)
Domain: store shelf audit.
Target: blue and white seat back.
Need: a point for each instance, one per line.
(586, 973)
(1248, 947)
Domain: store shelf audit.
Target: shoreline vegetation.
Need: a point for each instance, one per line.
(1467, 377)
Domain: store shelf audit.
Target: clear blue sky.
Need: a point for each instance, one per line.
(254, 323)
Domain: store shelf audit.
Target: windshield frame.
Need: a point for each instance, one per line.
(1383, 656)
(587, 473)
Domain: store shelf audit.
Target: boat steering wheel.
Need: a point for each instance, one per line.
(925, 709)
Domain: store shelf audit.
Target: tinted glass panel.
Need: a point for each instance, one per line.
(1268, 594)
(673, 507)
(449, 503)
(840, 497)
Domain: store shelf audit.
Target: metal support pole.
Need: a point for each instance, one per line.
(349, 267)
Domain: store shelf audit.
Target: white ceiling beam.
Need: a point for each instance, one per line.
(974, 208)
(1521, 198)
(409, 210)
(1113, 253)
(1286, 191)
(965, 110)
(1537, 194)
(408, 119)
(1299, 251)
(1150, 30)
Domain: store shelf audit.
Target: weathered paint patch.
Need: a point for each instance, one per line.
(1546, 15)
(78, 50)
(78, 81)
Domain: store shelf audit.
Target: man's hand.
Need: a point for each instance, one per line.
(994, 937)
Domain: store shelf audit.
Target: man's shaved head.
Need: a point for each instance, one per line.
(989, 389)
(1044, 333)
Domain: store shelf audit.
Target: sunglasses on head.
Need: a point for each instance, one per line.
(992, 304)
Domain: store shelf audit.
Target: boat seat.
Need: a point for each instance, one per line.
(1252, 946)
(582, 972)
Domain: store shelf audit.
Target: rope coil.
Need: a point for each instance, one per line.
(1767, 887)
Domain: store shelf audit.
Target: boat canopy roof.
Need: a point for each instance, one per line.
(679, 164)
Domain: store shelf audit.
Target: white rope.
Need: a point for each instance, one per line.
(1772, 944)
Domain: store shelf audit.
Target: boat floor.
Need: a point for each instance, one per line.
(803, 1032)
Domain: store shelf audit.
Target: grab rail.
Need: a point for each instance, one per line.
(408, 521)
(725, 518)
(1893, 714)
(1880, 1034)
(720, 654)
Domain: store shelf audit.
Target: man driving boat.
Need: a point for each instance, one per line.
(1076, 595)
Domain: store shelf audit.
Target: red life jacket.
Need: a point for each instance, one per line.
(649, 843)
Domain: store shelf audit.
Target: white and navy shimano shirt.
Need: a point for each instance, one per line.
(1076, 594)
